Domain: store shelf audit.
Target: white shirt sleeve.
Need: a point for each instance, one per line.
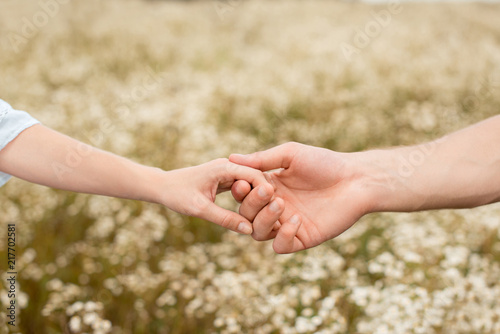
(12, 123)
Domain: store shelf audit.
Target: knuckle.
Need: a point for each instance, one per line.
(291, 147)
(232, 167)
(257, 159)
(256, 203)
(197, 210)
(200, 206)
(219, 162)
(253, 199)
(226, 221)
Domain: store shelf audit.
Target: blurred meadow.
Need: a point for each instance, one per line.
(173, 84)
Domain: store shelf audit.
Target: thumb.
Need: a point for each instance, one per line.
(226, 218)
(277, 157)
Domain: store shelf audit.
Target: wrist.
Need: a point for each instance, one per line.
(153, 184)
(387, 181)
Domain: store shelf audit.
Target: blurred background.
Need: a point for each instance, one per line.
(174, 84)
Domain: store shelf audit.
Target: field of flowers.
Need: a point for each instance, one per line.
(173, 84)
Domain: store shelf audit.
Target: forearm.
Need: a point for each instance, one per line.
(461, 170)
(44, 156)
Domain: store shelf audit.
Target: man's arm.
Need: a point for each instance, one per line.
(330, 191)
(461, 170)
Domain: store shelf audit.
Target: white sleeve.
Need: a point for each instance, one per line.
(12, 123)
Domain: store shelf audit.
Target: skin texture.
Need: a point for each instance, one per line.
(44, 156)
(308, 195)
(329, 191)
(316, 187)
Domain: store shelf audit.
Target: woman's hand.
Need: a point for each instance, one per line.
(192, 191)
(44, 156)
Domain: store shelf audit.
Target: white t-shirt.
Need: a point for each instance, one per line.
(12, 123)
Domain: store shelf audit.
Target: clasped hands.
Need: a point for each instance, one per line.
(297, 194)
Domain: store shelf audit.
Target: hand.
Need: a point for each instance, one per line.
(192, 191)
(321, 192)
(44, 156)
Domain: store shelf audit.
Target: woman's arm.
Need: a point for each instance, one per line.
(44, 156)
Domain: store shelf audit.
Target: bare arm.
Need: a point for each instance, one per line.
(44, 156)
(326, 192)
(461, 170)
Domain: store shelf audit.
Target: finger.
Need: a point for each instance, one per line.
(277, 157)
(276, 226)
(256, 201)
(266, 219)
(234, 172)
(240, 189)
(225, 218)
(286, 240)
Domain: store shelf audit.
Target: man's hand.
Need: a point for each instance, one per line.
(329, 191)
(321, 191)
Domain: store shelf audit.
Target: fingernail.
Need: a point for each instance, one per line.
(244, 228)
(276, 226)
(262, 191)
(294, 220)
(274, 206)
(239, 155)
